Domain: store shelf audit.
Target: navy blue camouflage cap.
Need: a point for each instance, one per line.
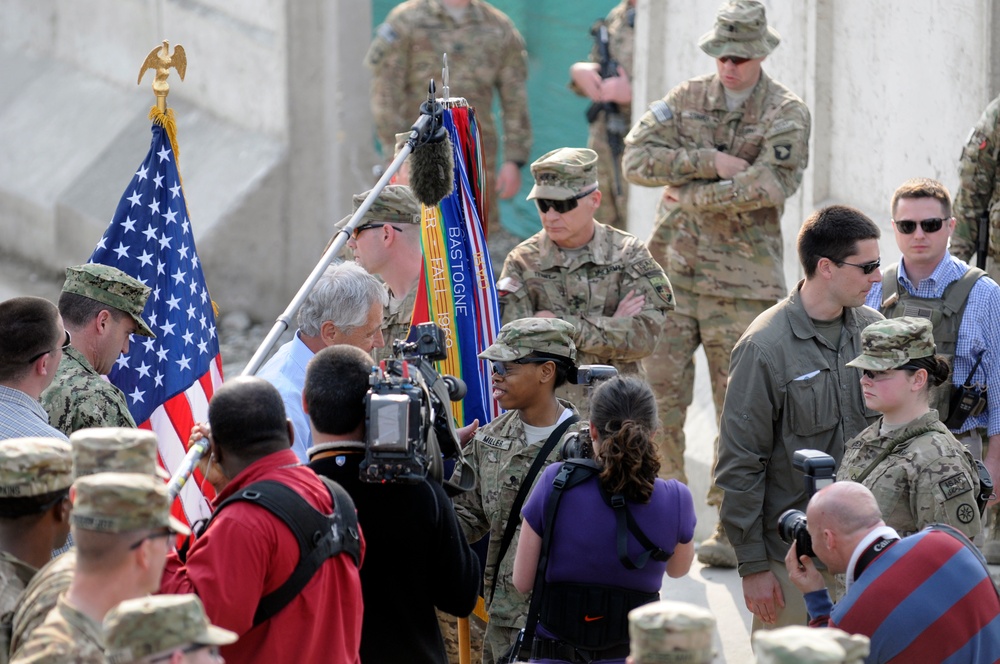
(109, 285)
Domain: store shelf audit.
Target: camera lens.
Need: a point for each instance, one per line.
(792, 528)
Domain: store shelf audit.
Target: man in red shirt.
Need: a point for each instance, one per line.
(246, 552)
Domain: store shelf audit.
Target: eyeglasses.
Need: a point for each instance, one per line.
(878, 376)
(564, 206)
(932, 225)
(500, 368)
(364, 227)
(731, 58)
(867, 268)
(66, 344)
(213, 651)
(156, 534)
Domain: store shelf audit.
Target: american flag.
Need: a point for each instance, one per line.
(168, 380)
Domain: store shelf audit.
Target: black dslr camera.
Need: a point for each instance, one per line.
(819, 470)
(407, 418)
(578, 444)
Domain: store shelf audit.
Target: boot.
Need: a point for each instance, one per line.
(716, 551)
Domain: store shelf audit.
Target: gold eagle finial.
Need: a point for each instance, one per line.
(161, 60)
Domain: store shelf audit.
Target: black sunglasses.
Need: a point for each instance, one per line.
(879, 375)
(500, 368)
(732, 58)
(867, 268)
(906, 226)
(66, 344)
(364, 227)
(156, 534)
(564, 206)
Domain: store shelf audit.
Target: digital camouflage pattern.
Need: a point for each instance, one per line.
(979, 190)
(621, 45)
(927, 476)
(740, 30)
(121, 503)
(891, 343)
(112, 287)
(67, 636)
(485, 53)
(522, 337)
(138, 628)
(722, 237)
(584, 287)
(79, 397)
(680, 631)
(34, 467)
(798, 644)
(115, 449)
(501, 457)
(564, 173)
(40, 597)
(396, 318)
(15, 575)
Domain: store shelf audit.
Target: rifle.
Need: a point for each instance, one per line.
(614, 121)
(983, 240)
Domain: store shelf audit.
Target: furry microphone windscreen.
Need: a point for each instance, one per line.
(432, 171)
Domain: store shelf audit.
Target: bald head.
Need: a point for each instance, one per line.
(847, 508)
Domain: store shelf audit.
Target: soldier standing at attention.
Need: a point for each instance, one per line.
(600, 279)
(976, 209)
(587, 81)
(101, 307)
(728, 148)
(485, 54)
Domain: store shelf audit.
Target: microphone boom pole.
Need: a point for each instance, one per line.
(421, 133)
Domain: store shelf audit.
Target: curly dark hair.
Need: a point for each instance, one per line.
(623, 411)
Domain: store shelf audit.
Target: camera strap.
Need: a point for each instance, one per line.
(514, 517)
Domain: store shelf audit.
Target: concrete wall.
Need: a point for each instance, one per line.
(894, 87)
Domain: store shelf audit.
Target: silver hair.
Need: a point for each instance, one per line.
(343, 295)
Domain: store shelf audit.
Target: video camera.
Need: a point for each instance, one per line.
(819, 470)
(578, 444)
(407, 417)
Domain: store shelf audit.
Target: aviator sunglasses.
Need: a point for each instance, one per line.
(732, 58)
(564, 206)
(906, 226)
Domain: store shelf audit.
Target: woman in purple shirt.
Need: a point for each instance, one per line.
(587, 565)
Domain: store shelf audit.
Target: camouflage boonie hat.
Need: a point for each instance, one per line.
(115, 449)
(395, 205)
(564, 174)
(891, 343)
(34, 467)
(741, 30)
(524, 336)
(678, 629)
(121, 503)
(138, 628)
(112, 287)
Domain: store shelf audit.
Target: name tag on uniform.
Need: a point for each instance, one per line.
(495, 443)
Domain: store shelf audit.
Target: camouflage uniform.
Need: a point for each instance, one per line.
(621, 44)
(671, 631)
(14, 576)
(798, 644)
(395, 321)
(500, 455)
(67, 635)
(721, 242)
(147, 626)
(40, 597)
(584, 286)
(918, 472)
(78, 396)
(979, 192)
(485, 52)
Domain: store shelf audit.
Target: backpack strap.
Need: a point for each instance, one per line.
(320, 536)
(626, 524)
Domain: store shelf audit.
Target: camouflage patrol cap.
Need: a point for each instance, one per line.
(741, 30)
(112, 287)
(138, 628)
(115, 449)
(682, 630)
(891, 343)
(564, 174)
(34, 467)
(121, 503)
(798, 644)
(396, 204)
(524, 336)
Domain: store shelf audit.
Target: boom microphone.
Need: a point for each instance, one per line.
(432, 167)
